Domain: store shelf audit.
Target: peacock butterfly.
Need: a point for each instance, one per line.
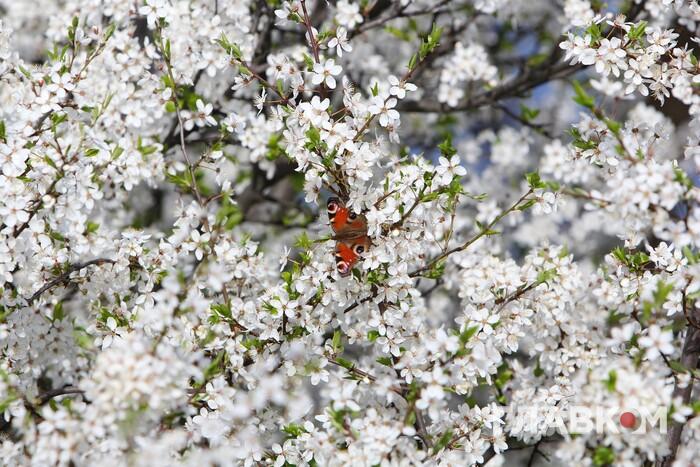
(350, 235)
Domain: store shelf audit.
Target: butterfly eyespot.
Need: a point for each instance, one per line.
(332, 207)
(343, 267)
(352, 216)
(359, 249)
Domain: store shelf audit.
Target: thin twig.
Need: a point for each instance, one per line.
(523, 121)
(65, 276)
(48, 395)
(485, 230)
(550, 69)
(364, 375)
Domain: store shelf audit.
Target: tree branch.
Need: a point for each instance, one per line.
(549, 70)
(48, 395)
(399, 11)
(484, 231)
(689, 358)
(516, 87)
(65, 276)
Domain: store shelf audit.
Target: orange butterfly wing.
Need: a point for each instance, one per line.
(351, 235)
(344, 222)
(348, 253)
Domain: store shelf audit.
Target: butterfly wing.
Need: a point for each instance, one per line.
(350, 233)
(348, 252)
(345, 223)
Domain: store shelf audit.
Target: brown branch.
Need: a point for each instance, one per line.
(48, 395)
(539, 128)
(364, 375)
(528, 80)
(549, 70)
(312, 38)
(535, 451)
(490, 452)
(65, 276)
(399, 11)
(36, 207)
(375, 292)
(689, 359)
(519, 292)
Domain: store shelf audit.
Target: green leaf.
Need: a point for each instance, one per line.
(386, 361)
(372, 335)
(611, 381)
(347, 364)
(537, 59)
(25, 72)
(528, 114)
(410, 418)
(527, 205)
(303, 241)
(504, 375)
(546, 275)
(682, 177)
(613, 125)
(313, 140)
(637, 31)
(274, 148)
(222, 310)
(215, 367)
(231, 49)
(91, 227)
(309, 62)
(581, 96)
(677, 366)
(57, 314)
(109, 31)
(190, 97)
(57, 236)
(538, 371)
(446, 148)
(413, 61)
(118, 151)
(614, 318)
(180, 180)
(337, 341)
(294, 430)
(661, 293)
(430, 197)
(56, 120)
(443, 441)
(71, 29)
(229, 214)
(594, 31)
(602, 456)
(468, 333)
(533, 180)
(280, 87)
(436, 271)
(50, 162)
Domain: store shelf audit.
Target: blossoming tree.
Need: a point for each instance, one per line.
(263, 232)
